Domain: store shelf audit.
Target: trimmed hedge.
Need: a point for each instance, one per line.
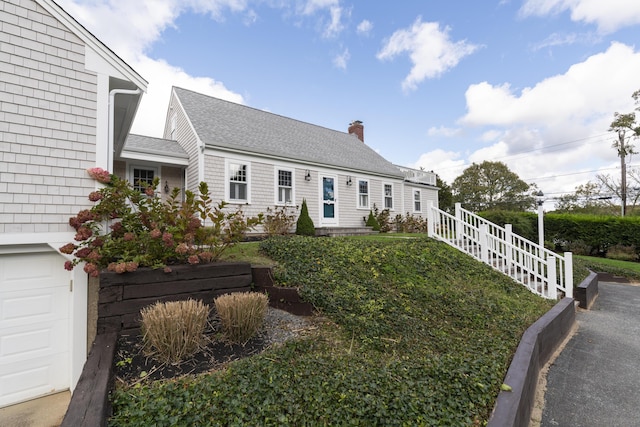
(586, 234)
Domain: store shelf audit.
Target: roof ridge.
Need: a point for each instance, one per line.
(261, 110)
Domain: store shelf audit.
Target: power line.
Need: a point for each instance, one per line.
(576, 173)
(545, 148)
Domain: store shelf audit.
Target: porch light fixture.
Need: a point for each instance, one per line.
(349, 181)
(166, 186)
(307, 175)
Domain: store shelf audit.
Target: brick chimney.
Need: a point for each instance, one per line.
(357, 129)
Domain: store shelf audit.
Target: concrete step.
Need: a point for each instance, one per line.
(344, 231)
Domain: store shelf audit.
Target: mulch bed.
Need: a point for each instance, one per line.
(132, 365)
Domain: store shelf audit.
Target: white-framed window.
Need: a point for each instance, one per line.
(238, 180)
(417, 201)
(388, 196)
(363, 193)
(142, 177)
(284, 186)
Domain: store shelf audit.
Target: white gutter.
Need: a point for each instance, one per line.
(112, 96)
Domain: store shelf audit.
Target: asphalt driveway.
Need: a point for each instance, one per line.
(595, 381)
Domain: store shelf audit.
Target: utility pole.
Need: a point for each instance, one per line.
(623, 171)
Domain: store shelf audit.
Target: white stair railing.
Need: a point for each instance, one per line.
(542, 271)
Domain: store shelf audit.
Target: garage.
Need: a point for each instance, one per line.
(35, 307)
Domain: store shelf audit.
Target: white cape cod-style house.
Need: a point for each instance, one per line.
(67, 103)
(254, 159)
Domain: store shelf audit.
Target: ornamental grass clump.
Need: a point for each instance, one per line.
(172, 331)
(241, 314)
(126, 228)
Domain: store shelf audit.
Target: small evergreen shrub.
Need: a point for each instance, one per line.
(174, 330)
(304, 225)
(241, 314)
(372, 222)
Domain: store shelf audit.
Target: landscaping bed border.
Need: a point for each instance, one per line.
(122, 296)
(90, 406)
(539, 342)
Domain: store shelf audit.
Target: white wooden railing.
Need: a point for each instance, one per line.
(542, 271)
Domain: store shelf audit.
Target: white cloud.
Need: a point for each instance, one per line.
(609, 15)
(153, 108)
(554, 133)
(587, 93)
(560, 39)
(491, 135)
(340, 61)
(130, 27)
(447, 164)
(335, 26)
(444, 131)
(250, 18)
(364, 28)
(430, 50)
(118, 24)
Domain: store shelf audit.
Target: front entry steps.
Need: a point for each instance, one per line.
(344, 231)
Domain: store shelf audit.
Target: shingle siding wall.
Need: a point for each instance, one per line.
(426, 194)
(47, 121)
(187, 139)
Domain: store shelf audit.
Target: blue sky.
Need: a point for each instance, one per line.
(438, 84)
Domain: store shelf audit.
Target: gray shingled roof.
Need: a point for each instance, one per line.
(225, 124)
(148, 144)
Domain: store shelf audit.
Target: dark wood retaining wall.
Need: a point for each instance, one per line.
(513, 408)
(122, 296)
(587, 291)
(89, 406)
(287, 299)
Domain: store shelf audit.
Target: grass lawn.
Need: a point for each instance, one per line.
(415, 333)
(249, 252)
(606, 265)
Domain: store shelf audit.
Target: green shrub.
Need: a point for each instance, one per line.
(384, 219)
(127, 229)
(241, 314)
(174, 330)
(279, 221)
(304, 225)
(410, 224)
(372, 222)
(524, 224)
(622, 253)
(578, 247)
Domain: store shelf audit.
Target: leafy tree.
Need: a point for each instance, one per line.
(589, 198)
(445, 197)
(492, 186)
(627, 129)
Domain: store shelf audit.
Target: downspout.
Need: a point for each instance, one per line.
(112, 96)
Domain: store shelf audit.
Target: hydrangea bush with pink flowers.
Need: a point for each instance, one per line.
(127, 229)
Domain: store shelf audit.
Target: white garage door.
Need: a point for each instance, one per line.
(34, 326)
